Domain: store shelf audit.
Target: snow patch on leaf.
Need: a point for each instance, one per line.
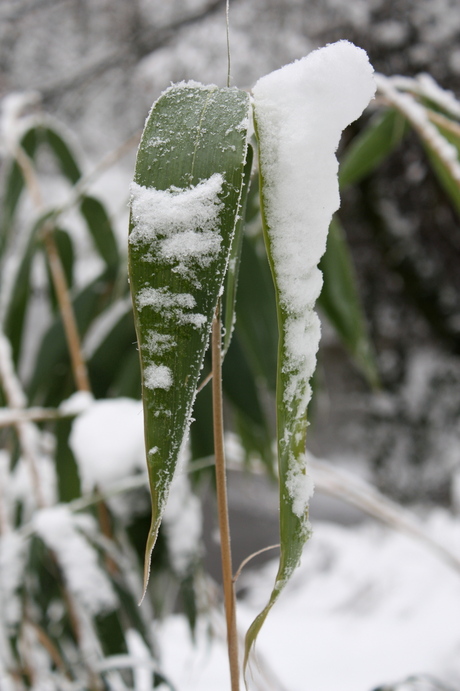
(179, 226)
(299, 484)
(158, 377)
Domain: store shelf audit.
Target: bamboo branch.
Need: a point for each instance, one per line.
(9, 417)
(222, 504)
(69, 321)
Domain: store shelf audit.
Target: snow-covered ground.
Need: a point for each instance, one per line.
(368, 607)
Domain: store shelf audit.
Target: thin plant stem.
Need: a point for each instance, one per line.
(251, 557)
(227, 28)
(205, 381)
(79, 369)
(222, 504)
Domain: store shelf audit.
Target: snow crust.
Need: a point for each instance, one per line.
(182, 224)
(58, 528)
(299, 485)
(158, 377)
(108, 442)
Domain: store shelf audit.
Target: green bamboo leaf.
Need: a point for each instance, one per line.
(66, 253)
(185, 202)
(256, 322)
(241, 391)
(62, 152)
(231, 282)
(21, 291)
(447, 181)
(370, 148)
(108, 357)
(339, 300)
(14, 185)
(101, 230)
(52, 381)
(299, 194)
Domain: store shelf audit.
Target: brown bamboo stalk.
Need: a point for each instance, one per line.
(79, 369)
(222, 504)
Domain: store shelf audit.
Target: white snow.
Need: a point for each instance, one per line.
(367, 607)
(58, 528)
(108, 442)
(180, 224)
(12, 562)
(172, 306)
(76, 403)
(158, 377)
(299, 485)
(182, 521)
(301, 111)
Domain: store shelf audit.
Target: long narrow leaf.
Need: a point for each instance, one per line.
(14, 185)
(370, 148)
(185, 203)
(100, 227)
(339, 300)
(300, 112)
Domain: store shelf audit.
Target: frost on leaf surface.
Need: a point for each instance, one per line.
(185, 201)
(300, 112)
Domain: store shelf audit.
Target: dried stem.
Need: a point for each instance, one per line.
(250, 558)
(222, 504)
(79, 369)
(9, 417)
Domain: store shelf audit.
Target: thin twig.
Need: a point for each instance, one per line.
(222, 504)
(66, 310)
(227, 27)
(9, 417)
(205, 381)
(251, 556)
(46, 642)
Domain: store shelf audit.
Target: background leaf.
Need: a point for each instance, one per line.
(340, 302)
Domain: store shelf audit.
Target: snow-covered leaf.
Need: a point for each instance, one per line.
(185, 202)
(300, 112)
